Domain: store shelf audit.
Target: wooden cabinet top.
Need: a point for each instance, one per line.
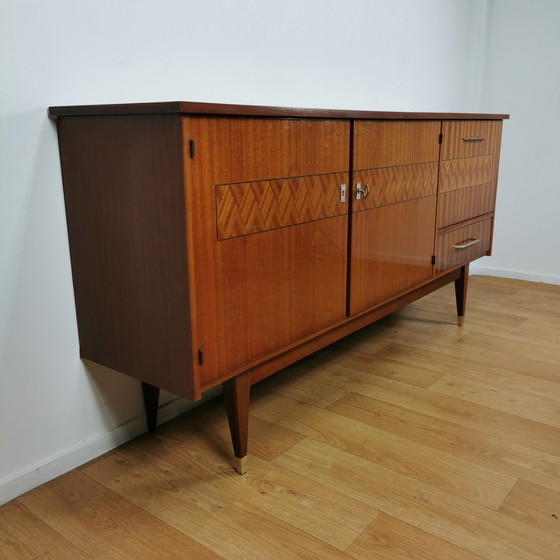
(192, 108)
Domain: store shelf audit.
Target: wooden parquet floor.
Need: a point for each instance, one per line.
(411, 439)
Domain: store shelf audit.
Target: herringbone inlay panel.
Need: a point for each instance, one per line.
(461, 173)
(258, 206)
(389, 185)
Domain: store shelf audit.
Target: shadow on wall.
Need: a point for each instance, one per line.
(56, 400)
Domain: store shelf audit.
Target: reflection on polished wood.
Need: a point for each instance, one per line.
(412, 438)
(391, 251)
(274, 288)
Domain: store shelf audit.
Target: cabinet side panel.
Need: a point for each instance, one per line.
(123, 187)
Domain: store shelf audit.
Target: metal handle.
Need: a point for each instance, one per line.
(466, 243)
(474, 138)
(360, 191)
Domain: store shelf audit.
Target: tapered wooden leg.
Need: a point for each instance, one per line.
(236, 396)
(151, 402)
(461, 294)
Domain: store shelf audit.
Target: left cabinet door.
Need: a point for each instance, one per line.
(267, 235)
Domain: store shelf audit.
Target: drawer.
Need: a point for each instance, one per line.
(464, 204)
(467, 172)
(461, 245)
(465, 139)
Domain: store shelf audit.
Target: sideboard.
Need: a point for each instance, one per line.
(220, 243)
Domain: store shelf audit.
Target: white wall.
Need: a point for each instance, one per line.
(522, 77)
(362, 54)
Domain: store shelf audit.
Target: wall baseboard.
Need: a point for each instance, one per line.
(22, 482)
(516, 275)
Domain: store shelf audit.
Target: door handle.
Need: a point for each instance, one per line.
(360, 191)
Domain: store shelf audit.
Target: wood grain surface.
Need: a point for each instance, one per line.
(462, 204)
(391, 251)
(197, 108)
(450, 242)
(467, 139)
(127, 244)
(258, 293)
(410, 439)
(388, 143)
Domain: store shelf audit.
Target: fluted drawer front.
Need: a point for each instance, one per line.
(465, 139)
(460, 245)
(463, 204)
(258, 206)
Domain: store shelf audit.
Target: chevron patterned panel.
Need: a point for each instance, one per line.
(462, 204)
(389, 185)
(461, 173)
(244, 208)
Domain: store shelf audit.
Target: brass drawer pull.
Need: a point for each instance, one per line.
(466, 243)
(474, 139)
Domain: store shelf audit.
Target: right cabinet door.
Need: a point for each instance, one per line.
(467, 191)
(393, 209)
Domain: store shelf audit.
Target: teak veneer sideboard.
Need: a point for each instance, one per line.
(220, 243)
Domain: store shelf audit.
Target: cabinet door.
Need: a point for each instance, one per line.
(267, 235)
(393, 220)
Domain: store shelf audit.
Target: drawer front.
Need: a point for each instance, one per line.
(465, 139)
(464, 244)
(464, 204)
(462, 173)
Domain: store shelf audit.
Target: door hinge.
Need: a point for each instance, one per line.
(200, 357)
(433, 259)
(441, 138)
(191, 148)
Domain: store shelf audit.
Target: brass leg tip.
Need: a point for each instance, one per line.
(460, 320)
(240, 464)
